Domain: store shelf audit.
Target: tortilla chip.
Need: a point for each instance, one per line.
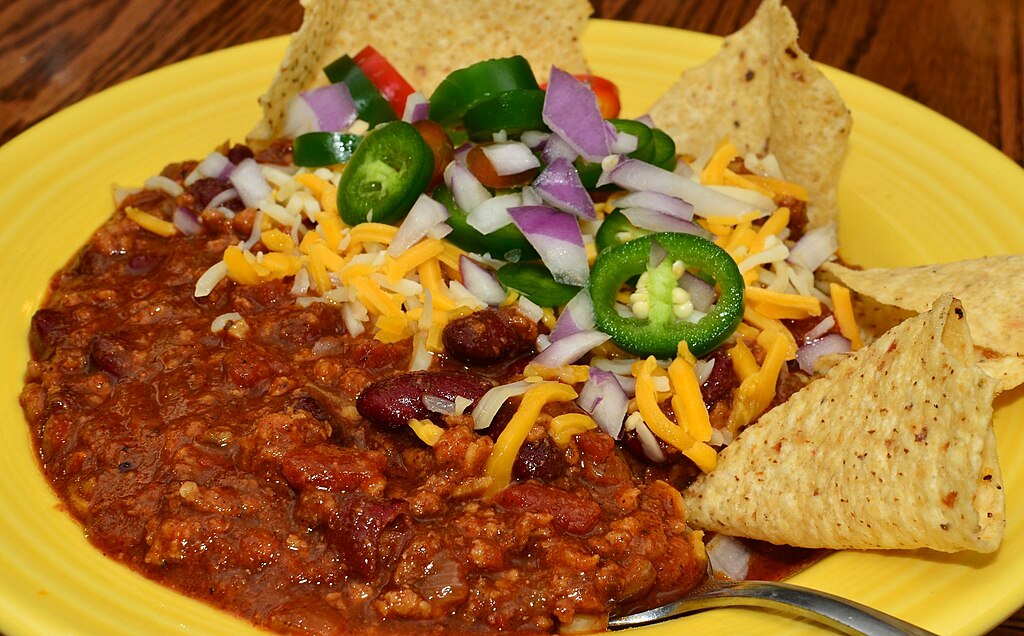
(892, 449)
(990, 289)
(764, 94)
(424, 41)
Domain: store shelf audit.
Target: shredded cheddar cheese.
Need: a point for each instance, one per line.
(843, 308)
(506, 448)
(563, 427)
(671, 433)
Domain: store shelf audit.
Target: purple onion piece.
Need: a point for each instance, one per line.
(604, 399)
(325, 108)
(815, 247)
(557, 238)
(481, 282)
(652, 449)
(510, 158)
(577, 316)
(624, 143)
(556, 148)
(417, 108)
(635, 175)
(658, 202)
(822, 328)
(222, 197)
(807, 355)
(466, 189)
(535, 139)
(248, 180)
(646, 120)
(660, 222)
(186, 222)
(424, 215)
(570, 349)
(702, 295)
(571, 110)
(560, 187)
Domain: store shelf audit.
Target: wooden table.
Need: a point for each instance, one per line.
(962, 58)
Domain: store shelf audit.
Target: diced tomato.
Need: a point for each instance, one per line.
(607, 94)
(440, 144)
(481, 167)
(388, 81)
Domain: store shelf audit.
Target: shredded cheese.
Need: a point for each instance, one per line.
(428, 432)
(150, 223)
(671, 433)
(843, 309)
(506, 448)
(563, 427)
(756, 392)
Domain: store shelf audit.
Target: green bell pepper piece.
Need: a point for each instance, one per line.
(515, 112)
(464, 88)
(664, 155)
(534, 281)
(661, 332)
(371, 105)
(316, 149)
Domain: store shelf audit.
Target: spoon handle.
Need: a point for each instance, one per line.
(841, 614)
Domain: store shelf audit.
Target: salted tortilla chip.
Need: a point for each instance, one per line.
(425, 41)
(764, 94)
(893, 448)
(990, 289)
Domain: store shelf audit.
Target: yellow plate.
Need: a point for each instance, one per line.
(917, 188)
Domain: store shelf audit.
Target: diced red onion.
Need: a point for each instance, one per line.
(635, 175)
(729, 557)
(658, 202)
(489, 404)
(462, 151)
(492, 215)
(652, 449)
(481, 282)
(530, 309)
(214, 165)
(656, 254)
(604, 399)
(571, 110)
(556, 148)
(510, 158)
(222, 197)
(608, 164)
(815, 247)
(534, 139)
(467, 191)
(822, 328)
(424, 214)
(570, 349)
(439, 231)
(325, 108)
(186, 222)
(439, 405)
(808, 354)
(557, 238)
(577, 316)
(531, 196)
(559, 186)
(660, 222)
(624, 143)
(628, 384)
(702, 295)
(252, 187)
(702, 369)
(417, 108)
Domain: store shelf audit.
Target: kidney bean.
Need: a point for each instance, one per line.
(393, 401)
(108, 352)
(722, 379)
(239, 153)
(537, 460)
(49, 327)
(489, 336)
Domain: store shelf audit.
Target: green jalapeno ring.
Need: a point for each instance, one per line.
(316, 149)
(661, 338)
(388, 171)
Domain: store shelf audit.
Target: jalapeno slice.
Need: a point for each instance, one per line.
(515, 112)
(465, 87)
(387, 172)
(534, 281)
(616, 230)
(664, 155)
(661, 331)
(506, 243)
(316, 149)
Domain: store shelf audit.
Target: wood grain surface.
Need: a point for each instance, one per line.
(962, 58)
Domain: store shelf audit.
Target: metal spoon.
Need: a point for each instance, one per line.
(841, 614)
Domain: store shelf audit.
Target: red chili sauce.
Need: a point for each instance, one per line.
(236, 468)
